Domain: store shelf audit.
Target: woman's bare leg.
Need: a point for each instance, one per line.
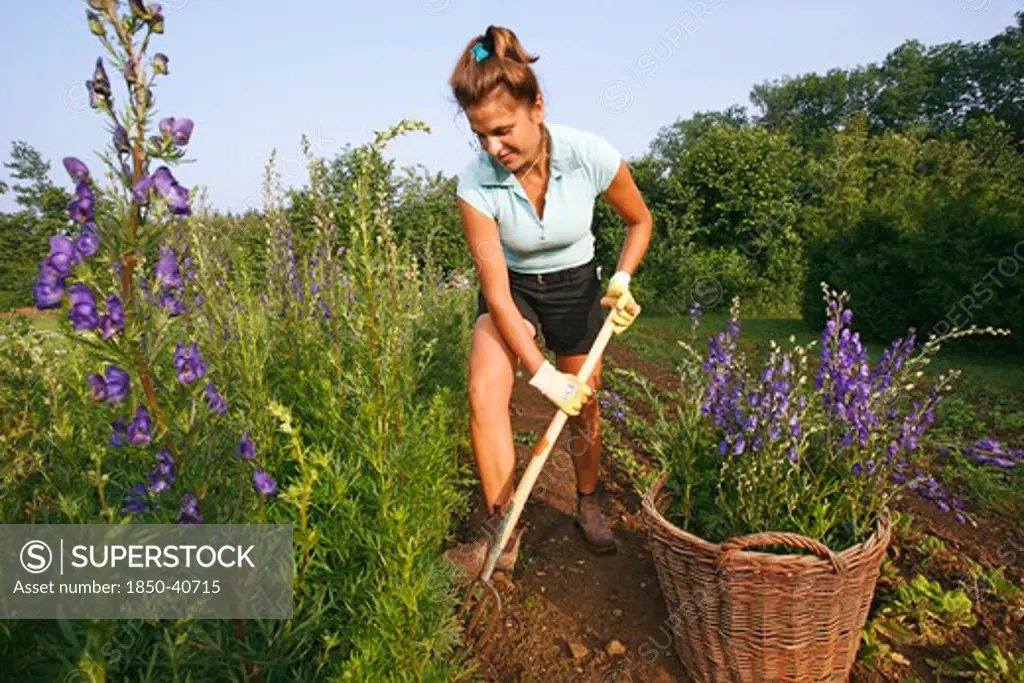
(492, 366)
(585, 442)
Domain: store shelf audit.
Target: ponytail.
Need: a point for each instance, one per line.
(502, 62)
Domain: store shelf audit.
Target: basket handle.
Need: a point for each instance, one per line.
(732, 546)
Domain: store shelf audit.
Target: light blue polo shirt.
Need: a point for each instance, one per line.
(583, 165)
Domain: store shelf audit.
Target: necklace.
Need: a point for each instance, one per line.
(543, 153)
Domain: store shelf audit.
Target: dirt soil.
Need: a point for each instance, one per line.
(567, 611)
(563, 605)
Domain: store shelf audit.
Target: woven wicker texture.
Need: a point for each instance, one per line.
(740, 615)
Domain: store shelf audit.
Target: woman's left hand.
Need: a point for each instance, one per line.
(619, 298)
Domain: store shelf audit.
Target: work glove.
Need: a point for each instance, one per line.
(564, 390)
(621, 301)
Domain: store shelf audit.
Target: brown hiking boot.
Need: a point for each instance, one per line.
(590, 522)
(470, 557)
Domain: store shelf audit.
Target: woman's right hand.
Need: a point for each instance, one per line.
(563, 389)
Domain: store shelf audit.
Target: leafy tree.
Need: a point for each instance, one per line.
(24, 235)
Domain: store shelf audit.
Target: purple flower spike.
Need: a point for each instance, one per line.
(82, 313)
(167, 271)
(188, 510)
(217, 403)
(264, 483)
(139, 431)
(118, 383)
(76, 169)
(246, 449)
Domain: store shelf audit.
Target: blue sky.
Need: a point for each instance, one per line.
(257, 74)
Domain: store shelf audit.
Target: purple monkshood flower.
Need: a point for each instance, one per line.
(63, 255)
(137, 501)
(113, 321)
(113, 387)
(263, 483)
(98, 387)
(217, 403)
(118, 383)
(76, 169)
(160, 63)
(119, 432)
(167, 271)
(139, 431)
(246, 449)
(49, 294)
(141, 191)
(162, 476)
(174, 194)
(189, 363)
(89, 240)
(989, 446)
(179, 130)
(174, 306)
(121, 143)
(188, 510)
(140, 10)
(100, 80)
(177, 200)
(82, 207)
(82, 312)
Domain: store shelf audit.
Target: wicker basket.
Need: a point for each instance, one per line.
(739, 615)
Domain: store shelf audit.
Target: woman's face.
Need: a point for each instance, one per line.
(506, 129)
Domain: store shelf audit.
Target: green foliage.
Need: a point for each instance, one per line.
(358, 415)
(990, 665)
(939, 89)
(957, 417)
(936, 222)
(24, 236)
(988, 487)
(924, 613)
(425, 217)
(722, 196)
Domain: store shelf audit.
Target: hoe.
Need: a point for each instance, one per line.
(522, 492)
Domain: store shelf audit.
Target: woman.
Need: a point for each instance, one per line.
(526, 204)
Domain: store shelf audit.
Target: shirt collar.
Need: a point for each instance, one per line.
(562, 161)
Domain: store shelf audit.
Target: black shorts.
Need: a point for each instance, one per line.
(565, 306)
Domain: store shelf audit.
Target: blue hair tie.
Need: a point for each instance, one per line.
(480, 52)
